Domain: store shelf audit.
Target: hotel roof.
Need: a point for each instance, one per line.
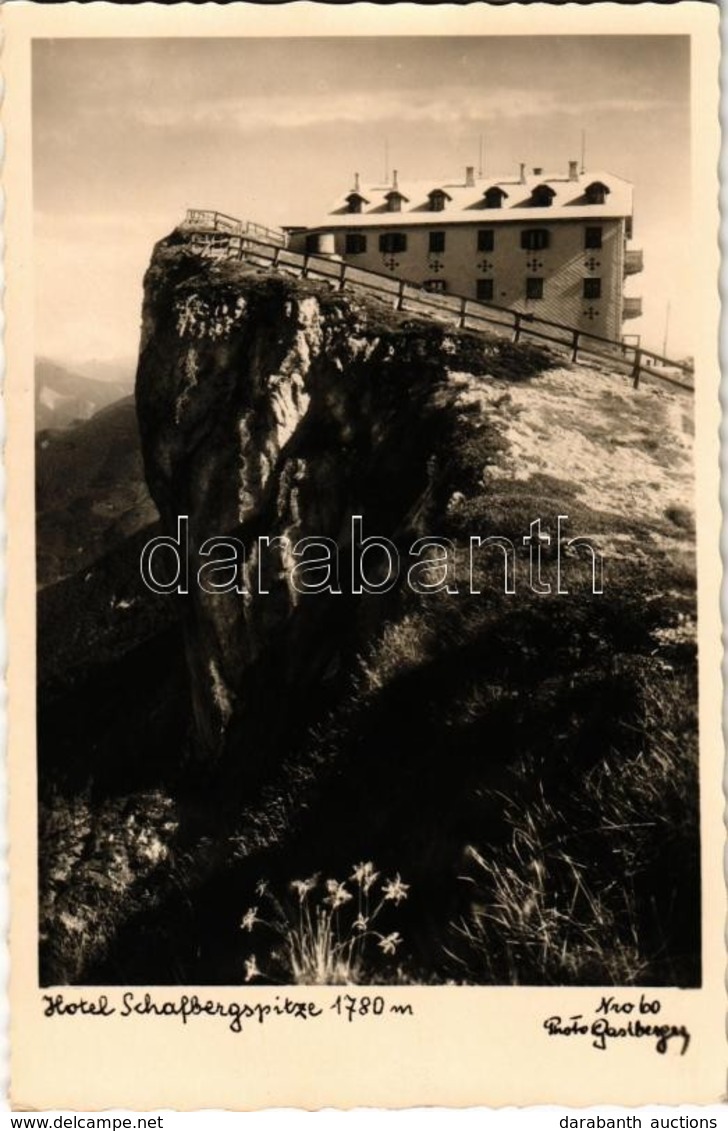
(465, 201)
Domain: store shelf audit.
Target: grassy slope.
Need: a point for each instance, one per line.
(597, 877)
(537, 754)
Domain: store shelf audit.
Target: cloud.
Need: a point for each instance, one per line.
(447, 107)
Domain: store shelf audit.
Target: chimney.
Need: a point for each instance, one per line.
(469, 176)
(523, 173)
(394, 178)
(573, 170)
(356, 182)
(537, 171)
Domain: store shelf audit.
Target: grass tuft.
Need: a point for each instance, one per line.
(326, 933)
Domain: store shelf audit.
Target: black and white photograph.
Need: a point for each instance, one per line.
(366, 580)
(373, 563)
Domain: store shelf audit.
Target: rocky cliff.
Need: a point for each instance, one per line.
(272, 407)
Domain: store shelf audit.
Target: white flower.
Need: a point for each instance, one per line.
(360, 923)
(364, 875)
(389, 943)
(337, 893)
(395, 889)
(303, 887)
(249, 919)
(261, 887)
(251, 969)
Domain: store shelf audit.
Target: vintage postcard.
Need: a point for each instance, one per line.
(362, 396)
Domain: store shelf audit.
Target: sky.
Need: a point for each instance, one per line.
(129, 133)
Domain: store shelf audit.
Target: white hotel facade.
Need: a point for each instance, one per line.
(555, 246)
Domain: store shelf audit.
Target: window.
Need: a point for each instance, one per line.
(593, 237)
(494, 197)
(356, 244)
(354, 201)
(394, 199)
(592, 288)
(437, 200)
(534, 288)
(435, 286)
(484, 290)
(312, 244)
(486, 239)
(534, 239)
(390, 243)
(437, 242)
(542, 196)
(596, 192)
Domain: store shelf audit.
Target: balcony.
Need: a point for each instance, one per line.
(632, 308)
(634, 262)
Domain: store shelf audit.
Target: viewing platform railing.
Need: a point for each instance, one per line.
(220, 222)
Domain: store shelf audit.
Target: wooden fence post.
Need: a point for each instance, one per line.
(399, 301)
(575, 346)
(636, 368)
(516, 326)
(304, 268)
(463, 307)
(342, 275)
(276, 254)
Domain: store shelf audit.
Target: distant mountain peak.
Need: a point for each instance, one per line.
(64, 395)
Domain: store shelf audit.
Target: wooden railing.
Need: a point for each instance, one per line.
(208, 220)
(466, 313)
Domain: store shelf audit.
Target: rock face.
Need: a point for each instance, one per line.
(272, 407)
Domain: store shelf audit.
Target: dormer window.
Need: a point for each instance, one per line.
(394, 201)
(494, 197)
(437, 200)
(354, 202)
(596, 193)
(542, 196)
